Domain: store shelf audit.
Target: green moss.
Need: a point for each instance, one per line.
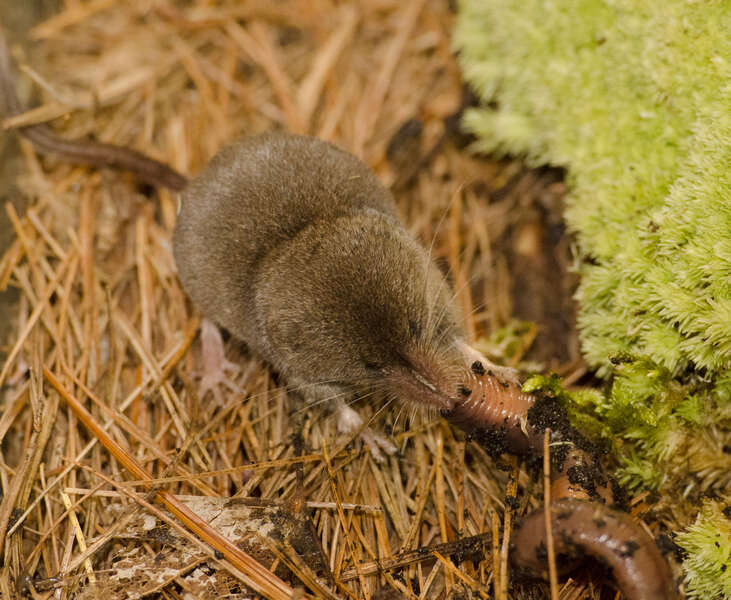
(708, 562)
(633, 99)
(650, 420)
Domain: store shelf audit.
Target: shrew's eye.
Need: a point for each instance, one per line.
(414, 328)
(373, 366)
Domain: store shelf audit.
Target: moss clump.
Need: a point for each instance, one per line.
(650, 420)
(708, 546)
(633, 100)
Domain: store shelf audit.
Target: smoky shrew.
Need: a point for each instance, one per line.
(296, 248)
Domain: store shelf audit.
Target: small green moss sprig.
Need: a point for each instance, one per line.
(707, 544)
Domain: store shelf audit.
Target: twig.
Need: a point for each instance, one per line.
(496, 587)
(477, 544)
(553, 577)
(512, 492)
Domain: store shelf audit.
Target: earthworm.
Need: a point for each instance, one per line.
(581, 476)
(610, 536)
(498, 415)
(495, 412)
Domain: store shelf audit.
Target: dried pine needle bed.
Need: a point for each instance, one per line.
(117, 478)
